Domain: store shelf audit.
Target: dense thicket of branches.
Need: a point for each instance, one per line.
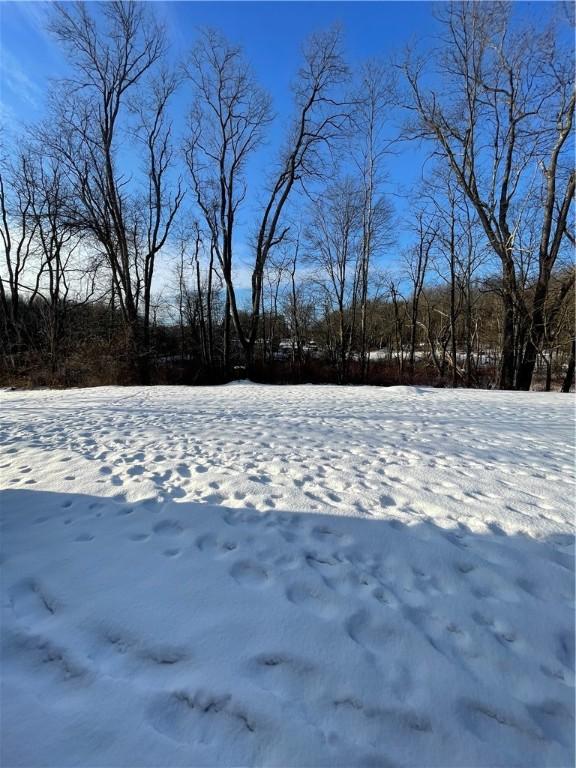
(115, 185)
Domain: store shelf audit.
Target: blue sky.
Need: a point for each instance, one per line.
(271, 34)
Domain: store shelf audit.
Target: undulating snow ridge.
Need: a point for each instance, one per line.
(287, 576)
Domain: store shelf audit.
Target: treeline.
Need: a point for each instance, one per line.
(419, 329)
(113, 185)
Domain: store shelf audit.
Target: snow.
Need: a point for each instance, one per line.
(287, 576)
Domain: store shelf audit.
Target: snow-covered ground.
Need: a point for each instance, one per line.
(289, 576)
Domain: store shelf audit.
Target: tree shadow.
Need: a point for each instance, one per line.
(239, 637)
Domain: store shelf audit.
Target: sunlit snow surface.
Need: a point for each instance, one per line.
(296, 576)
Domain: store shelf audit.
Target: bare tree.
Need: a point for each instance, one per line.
(227, 122)
(296, 310)
(229, 115)
(417, 261)
(506, 103)
(335, 242)
(18, 227)
(399, 317)
(56, 245)
(321, 117)
(114, 56)
(458, 256)
(160, 205)
(376, 93)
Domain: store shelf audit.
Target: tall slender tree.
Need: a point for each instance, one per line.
(115, 56)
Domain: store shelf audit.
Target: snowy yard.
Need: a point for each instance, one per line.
(297, 576)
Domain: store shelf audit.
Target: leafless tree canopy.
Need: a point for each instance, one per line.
(143, 241)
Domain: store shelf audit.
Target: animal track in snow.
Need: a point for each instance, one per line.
(84, 537)
(431, 560)
(249, 573)
(313, 598)
(139, 536)
(171, 552)
(283, 674)
(189, 717)
(168, 528)
(211, 543)
(30, 599)
(44, 659)
(365, 631)
(122, 655)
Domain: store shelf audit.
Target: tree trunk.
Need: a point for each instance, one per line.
(548, 362)
(226, 345)
(209, 309)
(453, 303)
(569, 378)
(506, 374)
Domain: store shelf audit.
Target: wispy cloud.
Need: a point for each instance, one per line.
(10, 126)
(14, 78)
(35, 15)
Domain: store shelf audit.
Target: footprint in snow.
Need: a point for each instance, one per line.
(139, 537)
(313, 598)
(49, 662)
(168, 528)
(249, 573)
(213, 498)
(84, 537)
(284, 675)
(364, 631)
(324, 533)
(28, 597)
(215, 546)
(200, 716)
(171, 552)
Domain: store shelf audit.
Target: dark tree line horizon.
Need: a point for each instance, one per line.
(482, 294)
